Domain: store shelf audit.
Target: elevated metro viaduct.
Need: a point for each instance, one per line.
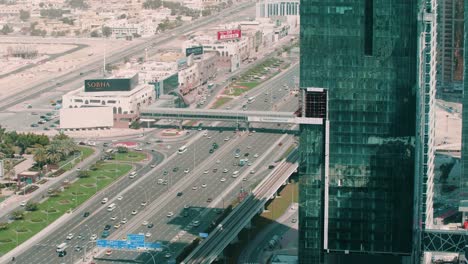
(454, 241)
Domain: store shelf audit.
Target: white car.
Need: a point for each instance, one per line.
(205, 134)
(186, 171)
(78, 169)
(252, 171)
(113, 218)
(237, 155)
(205, 172)
(117, 226)
(194, 188)
(223, 179)
(186, 206)
(124, 221)
(120, 198)
(218, 161)
(249, 164)
(70, 236)
(93, 237)
(226, 139)
(168, 255)
(148, 234)
(138, 149)
(23, 203)
(256, 155)
(145, 223)
(203, 185)
(170, 214)
(134, 212)
(143, 203)
(244, 179)
(225, 170)
(153, 166)
(208, 137)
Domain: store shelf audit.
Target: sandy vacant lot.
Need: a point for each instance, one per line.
(94, 52)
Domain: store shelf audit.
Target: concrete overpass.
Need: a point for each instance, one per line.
(241, 216)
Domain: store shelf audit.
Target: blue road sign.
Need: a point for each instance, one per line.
(155, 245)
(135, 238)
(203, 235)
(101, 243)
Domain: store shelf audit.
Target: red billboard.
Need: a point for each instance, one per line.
(229, 34)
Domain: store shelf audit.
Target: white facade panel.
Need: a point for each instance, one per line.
(86, 117)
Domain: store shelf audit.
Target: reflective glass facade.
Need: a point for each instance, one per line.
(464, 178)
(357, 171)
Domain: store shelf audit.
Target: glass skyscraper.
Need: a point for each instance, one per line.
(360, 201)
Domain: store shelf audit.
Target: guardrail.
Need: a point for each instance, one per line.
(229, 228)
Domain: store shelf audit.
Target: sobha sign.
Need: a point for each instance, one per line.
(108, 85)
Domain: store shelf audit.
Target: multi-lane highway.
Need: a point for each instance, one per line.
(180, 226)
(163, 199)
(90, 70)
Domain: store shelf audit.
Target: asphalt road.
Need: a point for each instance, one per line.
(39, 193)
(167, 228)
(91, 70)
(163, 198)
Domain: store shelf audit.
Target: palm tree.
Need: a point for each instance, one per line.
(54, 154)
(40, 156)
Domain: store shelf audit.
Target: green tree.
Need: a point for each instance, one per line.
(106, 31)
(122, 150)
(24, 15)
(152, 4)
(54, 154)
(81, 4)
(40, 157)
(18, 215)
(31, 206)
(6, 29)
(94, 34)
(3, 226)
(84, 174)
(41, 5)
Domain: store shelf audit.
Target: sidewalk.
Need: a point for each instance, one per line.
(12, 202)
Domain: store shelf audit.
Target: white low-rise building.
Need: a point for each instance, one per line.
(123, 94)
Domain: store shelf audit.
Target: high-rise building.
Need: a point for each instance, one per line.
(275, 8)
(450, 45)
(367, 69)
(464, 178)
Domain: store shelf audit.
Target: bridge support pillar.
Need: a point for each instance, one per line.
(277, 195)
(180, 124)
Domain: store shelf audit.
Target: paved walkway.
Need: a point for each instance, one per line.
(12, 202)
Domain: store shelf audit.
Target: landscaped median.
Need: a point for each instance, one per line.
(131, 156)
(59, 202)
(73, 160)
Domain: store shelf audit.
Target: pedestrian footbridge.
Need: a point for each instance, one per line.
(153, 114)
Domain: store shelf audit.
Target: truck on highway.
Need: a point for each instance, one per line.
(61, 247)
(111, 207)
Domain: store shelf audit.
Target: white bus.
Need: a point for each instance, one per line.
(61, 247)
(111, 207)
(250, 100)
(182, 149)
